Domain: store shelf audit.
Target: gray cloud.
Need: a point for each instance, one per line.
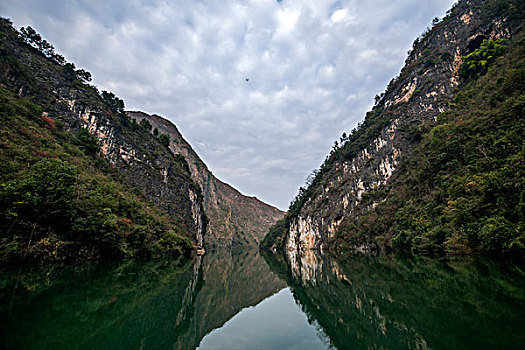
(313, 69)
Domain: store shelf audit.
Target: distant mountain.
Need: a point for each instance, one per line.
(234, 219)
(438, 164)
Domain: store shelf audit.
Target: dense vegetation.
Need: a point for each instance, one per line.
(60, 198)
(60, 201)
(463, 189)
(476, 63)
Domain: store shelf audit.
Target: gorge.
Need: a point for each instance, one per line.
(114, 232)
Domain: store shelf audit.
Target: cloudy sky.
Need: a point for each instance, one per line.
(260, 89)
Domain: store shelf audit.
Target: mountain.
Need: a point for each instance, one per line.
(437, 165)
(234, 219)
(59, 201)
(84, 180)
(81, 180)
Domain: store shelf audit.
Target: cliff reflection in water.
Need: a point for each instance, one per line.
(129, 305)
(407, 303)
(97, 306)
(231, 281)
(361, 302)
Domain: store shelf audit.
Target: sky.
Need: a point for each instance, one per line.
(261, 89)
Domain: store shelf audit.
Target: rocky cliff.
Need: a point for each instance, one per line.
(234, 219)
(170, 174)
(358, 176)
(141, 159)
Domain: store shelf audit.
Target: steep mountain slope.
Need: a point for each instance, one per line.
(60, 202)
(364, 175)
(140, 158)
(234, 219)
(462, 188)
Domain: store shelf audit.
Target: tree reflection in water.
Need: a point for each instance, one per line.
(359, 302)
(130, 305)
(393, 302)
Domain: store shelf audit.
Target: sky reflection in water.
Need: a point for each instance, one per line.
(276, 323)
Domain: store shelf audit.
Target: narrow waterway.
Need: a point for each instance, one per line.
(242, 300)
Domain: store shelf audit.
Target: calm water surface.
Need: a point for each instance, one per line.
(243, 300)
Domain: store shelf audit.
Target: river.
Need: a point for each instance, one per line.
(242, 300)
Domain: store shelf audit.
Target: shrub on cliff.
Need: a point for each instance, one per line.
(477, 63)
(146, 124)
(164, 139)
(87, 141)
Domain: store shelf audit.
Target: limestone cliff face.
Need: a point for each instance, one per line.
(369, 159)
(139, 157)
(234, 219)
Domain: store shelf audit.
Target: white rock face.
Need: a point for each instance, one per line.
(346, 200)
(467, 17)
(104, 133)
(197, 214)
(333, 227)
(307, 232)
(303, 235)
(360, 189)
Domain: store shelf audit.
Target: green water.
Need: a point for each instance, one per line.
(244, 301)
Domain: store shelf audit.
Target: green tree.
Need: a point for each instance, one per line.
(30, 36)
(164, 139)
(115, 104)
(41, 199)
(87, 141)
(146, 124)
(477, 63)
(69, 71)
(83, 75)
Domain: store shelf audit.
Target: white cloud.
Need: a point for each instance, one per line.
(313, 69)
(339, 15)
